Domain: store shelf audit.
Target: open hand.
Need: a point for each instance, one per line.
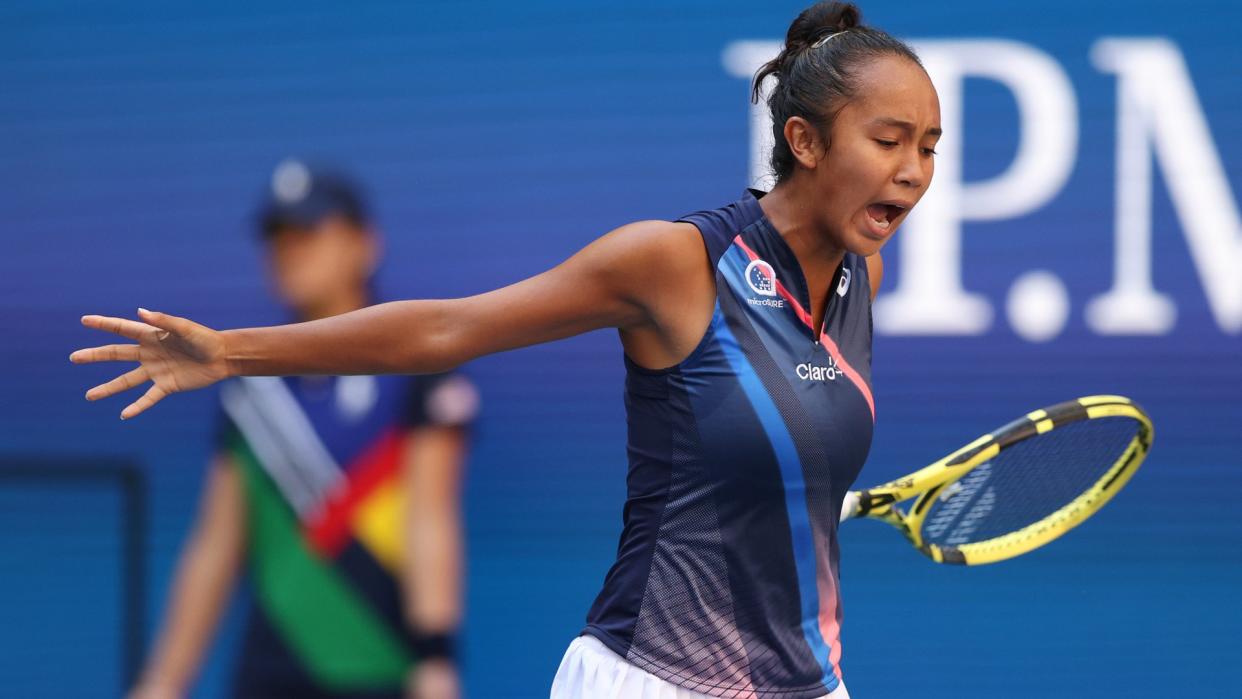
(174, 354)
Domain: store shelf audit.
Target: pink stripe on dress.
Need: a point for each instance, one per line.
(829, 626)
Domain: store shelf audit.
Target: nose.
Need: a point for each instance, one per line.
(910, 171)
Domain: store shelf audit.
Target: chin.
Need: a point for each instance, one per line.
(866, 246)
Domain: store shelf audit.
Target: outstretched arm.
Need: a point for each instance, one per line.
(613, 282)
(586, 292)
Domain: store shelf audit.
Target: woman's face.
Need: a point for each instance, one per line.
(880, 158)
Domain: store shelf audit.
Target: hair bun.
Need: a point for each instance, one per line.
(813, 83)
(819, 20)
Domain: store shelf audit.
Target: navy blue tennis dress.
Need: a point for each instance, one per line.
(726, 578)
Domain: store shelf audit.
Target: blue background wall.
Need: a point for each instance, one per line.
(496, 139)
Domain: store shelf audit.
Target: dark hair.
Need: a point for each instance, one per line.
(815, 70)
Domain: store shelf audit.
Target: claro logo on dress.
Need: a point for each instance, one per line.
(761, 279)
(815, 372)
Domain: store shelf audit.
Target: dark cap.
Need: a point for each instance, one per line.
(301, 195)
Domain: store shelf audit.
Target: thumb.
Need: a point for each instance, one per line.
(163, 321)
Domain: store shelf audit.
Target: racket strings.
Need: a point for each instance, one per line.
(1027, 481)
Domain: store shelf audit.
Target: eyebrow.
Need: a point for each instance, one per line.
(905, 125)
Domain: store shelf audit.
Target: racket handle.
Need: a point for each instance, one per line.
(849, 506)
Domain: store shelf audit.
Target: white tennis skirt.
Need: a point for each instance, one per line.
(590, 670)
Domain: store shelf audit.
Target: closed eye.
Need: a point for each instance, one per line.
(885, 143)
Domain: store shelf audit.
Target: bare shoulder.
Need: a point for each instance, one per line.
(669, 277)
(667, 240)
(652, 258)
(875, 272)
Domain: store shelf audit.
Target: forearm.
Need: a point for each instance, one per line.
(432, 556)
(433, 571)
(203, 583)
(389, 338)
(205, 576)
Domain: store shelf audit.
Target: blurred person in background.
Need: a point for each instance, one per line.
(340, 492)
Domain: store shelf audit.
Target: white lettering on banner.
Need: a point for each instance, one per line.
(929, 298)
(1157, 110)
(741, 59)
(1157, 107)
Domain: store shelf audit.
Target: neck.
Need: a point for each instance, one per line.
(790, 208)
(338, 304)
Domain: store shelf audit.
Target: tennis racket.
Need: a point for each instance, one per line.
(1017, 488)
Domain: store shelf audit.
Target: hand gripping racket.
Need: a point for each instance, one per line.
(1017, 488)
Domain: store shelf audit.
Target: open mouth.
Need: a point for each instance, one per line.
(883, 215)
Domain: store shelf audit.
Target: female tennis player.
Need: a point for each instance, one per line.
(747, 342)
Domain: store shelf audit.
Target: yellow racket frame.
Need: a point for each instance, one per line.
(927, 483)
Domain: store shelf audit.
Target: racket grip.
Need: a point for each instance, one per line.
(849, 506)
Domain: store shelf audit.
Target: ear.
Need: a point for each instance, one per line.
(805, 142)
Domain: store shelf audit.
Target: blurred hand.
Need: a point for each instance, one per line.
(175, 354)
(433, 679)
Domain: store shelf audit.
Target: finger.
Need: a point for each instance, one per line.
(124, 382)
(164, 321)
(148, 399)
(121, 326)
(106, 353)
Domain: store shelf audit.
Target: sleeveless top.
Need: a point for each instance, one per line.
(726, 577)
